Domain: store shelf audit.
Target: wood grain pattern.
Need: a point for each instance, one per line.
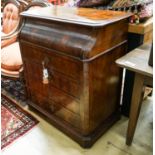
(83, 93)
(79, 16)
(138, 92)
(141, 28)
(148, 37)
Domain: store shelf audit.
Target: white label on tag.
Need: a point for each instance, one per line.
(45, 73)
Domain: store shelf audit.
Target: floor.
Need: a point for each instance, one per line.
(44, 139)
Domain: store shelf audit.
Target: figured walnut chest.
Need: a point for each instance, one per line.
(78, 49)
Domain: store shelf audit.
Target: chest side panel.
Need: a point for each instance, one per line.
(105, 86)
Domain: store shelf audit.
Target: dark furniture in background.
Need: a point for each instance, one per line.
(138, 34)
(137, 62)
(150, 62)
(69, 60)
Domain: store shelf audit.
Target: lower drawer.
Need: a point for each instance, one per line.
(56, 109)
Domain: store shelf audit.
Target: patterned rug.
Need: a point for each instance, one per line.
(14, 121)
(13, 89)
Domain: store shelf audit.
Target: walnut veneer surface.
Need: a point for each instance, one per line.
(79, 48)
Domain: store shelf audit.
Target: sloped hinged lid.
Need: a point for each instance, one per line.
(69, 30)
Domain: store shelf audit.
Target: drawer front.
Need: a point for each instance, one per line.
(56, 109)
(59, 62)
(34, 73)
(64, 83)
(61, 98)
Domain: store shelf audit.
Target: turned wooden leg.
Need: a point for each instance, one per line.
(137, 95)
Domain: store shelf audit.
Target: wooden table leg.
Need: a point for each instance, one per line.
(137, 95)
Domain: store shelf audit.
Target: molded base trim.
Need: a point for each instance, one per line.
(74, 133)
